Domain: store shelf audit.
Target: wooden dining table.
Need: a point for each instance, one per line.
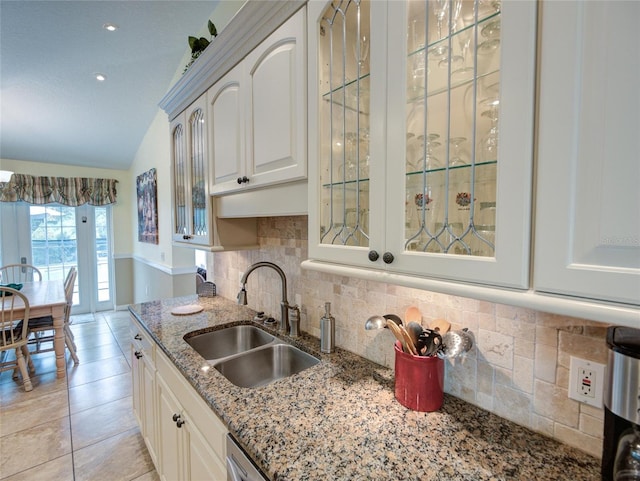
(46, 298)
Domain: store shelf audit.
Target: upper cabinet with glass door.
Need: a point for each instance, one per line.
(425, 138)
(340, 136)
(191, 211)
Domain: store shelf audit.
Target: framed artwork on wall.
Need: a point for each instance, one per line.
(147, 190)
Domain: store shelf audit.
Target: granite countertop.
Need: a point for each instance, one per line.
(339, 420)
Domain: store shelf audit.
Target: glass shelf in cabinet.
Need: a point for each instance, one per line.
(361, 183)
(347, 94)
(451, 167)
(463, 31)
(416, 94)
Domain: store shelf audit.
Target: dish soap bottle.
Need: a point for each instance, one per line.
(327, 330)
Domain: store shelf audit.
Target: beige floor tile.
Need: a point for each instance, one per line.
(59, 469)
(10, 392)
(94, 371)
(33, 412)
(99, 338)
(96, 424)
(118, 458)
(150, 476)
(104, 391)
(98, 353)
(42, 443)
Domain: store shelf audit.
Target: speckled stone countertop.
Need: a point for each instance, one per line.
(339, 420)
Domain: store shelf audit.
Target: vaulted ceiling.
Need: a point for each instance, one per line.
(52, 108)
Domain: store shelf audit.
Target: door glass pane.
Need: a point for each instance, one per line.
(344, 123)
(198, 170)
(180, 176)
(102, 253)
(54, 247)
(453, 92)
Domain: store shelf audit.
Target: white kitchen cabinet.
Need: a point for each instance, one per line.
(191, 208)
(194, 221)
(258, 114)
(587, 241)
(389, 100)
(191, 437)
(144, 386)
(185, 439)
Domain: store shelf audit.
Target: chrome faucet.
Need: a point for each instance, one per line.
(284, 304)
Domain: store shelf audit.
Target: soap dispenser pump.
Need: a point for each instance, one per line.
(327, 330)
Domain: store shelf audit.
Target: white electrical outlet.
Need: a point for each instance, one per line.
(586, 381)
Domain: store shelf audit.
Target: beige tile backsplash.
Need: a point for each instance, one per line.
(519, 368)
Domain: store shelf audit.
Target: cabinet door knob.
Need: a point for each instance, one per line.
(138, 354)
(186, 237)
(242, 180)
(373, 256)
(387, 257)
(177, 418)
(239, 180)
(138, 337)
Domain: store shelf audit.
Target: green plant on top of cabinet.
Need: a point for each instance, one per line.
(258, 114)
(421, 137)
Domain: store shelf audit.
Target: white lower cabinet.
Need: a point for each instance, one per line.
(144, 386)
(186, 440)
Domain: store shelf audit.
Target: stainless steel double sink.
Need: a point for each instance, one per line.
(248, 356)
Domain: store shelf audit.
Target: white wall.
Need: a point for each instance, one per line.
(155, 152)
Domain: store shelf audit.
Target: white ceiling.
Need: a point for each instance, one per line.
(52, 109)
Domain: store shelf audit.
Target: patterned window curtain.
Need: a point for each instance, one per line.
(70, 191)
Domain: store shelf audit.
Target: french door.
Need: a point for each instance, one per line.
(57, 237)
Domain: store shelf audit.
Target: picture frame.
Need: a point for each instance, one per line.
(147, 193)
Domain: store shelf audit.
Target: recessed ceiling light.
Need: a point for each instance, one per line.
(110, 27)
(100, 77)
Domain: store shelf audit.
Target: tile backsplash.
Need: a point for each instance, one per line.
(518, 369)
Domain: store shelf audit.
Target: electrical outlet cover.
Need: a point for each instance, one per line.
(586, 381)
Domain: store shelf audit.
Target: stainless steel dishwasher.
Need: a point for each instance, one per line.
(239, 465)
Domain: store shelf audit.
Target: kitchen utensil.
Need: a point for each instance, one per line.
(455, 344)
(375, 322)
(430, 341)
(395, 329)
(409, 343)
(415, 330)
(393, 318)
(440, 325)
(412, 314)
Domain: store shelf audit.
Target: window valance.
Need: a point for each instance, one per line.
(71, 191)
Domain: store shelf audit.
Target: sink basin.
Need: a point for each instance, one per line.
(229, 341)
(265, 365)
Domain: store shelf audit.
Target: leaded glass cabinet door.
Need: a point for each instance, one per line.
(460, 145)
(346, 135)
(191, 211)
(180, 177)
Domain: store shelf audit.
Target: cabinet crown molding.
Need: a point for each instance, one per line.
(253, 23)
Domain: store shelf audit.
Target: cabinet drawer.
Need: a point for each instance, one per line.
(142, 342)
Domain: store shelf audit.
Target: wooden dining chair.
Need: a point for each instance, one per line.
(17, 273)
(14, 335)
(41, 325)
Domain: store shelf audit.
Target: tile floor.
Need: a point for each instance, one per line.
(81, 427)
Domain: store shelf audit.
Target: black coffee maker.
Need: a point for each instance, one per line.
(621, 446)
